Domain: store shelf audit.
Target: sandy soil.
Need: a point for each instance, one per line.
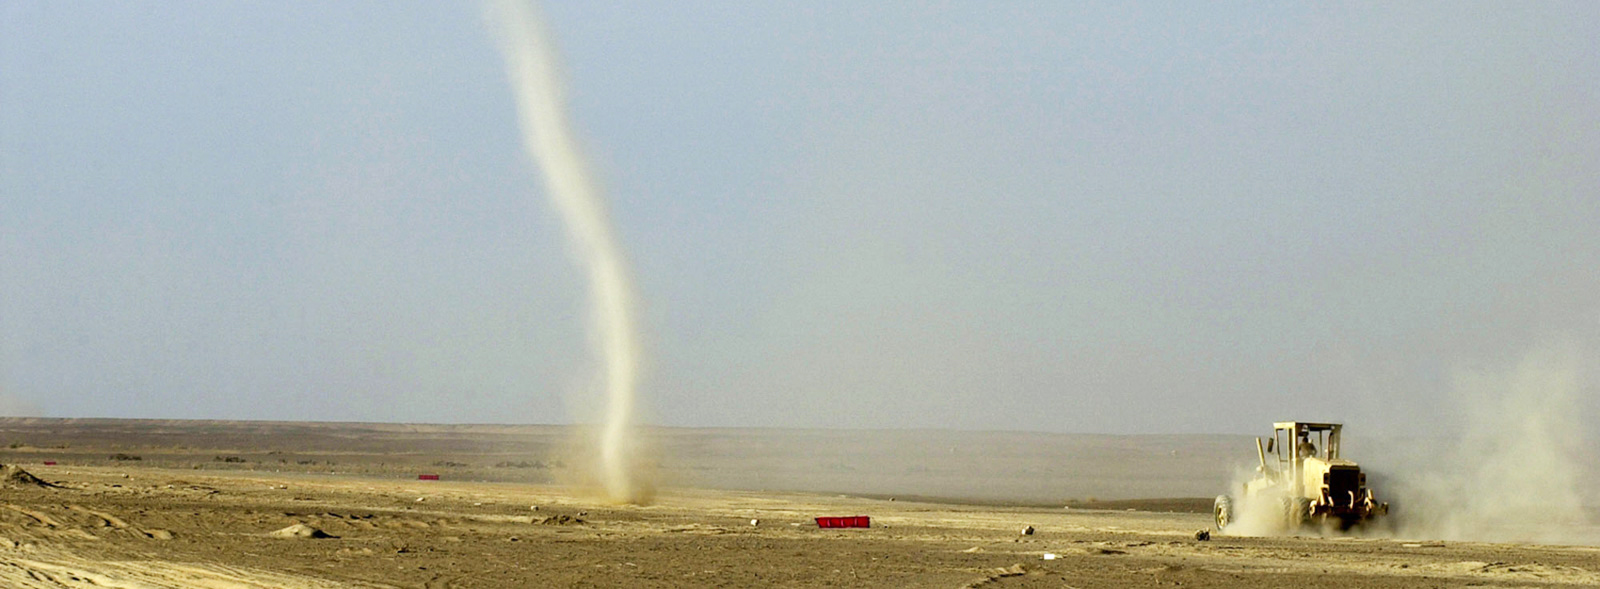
(136, 524)
(1042, 469)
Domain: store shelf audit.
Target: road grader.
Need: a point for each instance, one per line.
(1302, 481)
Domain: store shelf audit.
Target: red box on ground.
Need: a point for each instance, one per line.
(859, 521)
(427, 477)
(49, 463)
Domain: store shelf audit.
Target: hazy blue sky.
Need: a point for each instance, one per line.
(1053, 216)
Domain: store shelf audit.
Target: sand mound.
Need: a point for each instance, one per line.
(300, 531)
(13, 476)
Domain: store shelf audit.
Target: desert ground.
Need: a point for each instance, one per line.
(136, 504)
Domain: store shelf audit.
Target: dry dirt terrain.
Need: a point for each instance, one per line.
(187, 513)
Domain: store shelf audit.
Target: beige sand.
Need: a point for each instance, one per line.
(210, 523)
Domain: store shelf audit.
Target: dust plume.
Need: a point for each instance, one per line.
(1262, 514)
(1517, 472)
(532, 67)
(15, 407)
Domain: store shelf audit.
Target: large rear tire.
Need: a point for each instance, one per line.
(1224, 511)
(1296, 511)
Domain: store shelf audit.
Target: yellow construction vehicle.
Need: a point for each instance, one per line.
(1304, 481)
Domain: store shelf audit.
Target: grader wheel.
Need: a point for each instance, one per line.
(1296, 511)
(1224, 511)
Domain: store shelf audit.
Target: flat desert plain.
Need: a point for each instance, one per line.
(136, 504)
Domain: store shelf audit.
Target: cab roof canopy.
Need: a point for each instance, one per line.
(1307, 426)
